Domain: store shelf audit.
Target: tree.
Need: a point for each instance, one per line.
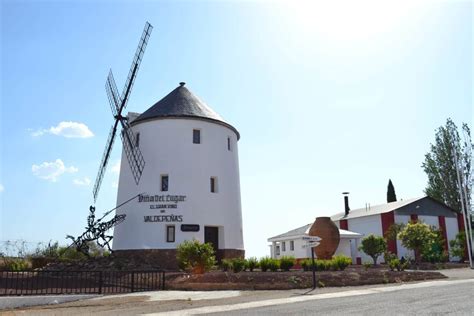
(391, 196)
(418, 237)
(440, 168)
(373, 246)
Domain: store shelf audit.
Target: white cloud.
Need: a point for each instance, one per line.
(2, 188)
(82, 182)
(51, 171)
(66, 129)
(116, 167)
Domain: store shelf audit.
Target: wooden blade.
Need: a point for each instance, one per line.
(105, 160)
(135, 65)
(112, 93)
(133, 153)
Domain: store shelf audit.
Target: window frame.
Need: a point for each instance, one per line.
(170, 228)
(167, 182)
(198, 140)
(292, 245)
(283, 246)
(213, 185)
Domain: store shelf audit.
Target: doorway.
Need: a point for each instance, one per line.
(211, 235)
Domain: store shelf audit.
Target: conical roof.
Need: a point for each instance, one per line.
(182, 103)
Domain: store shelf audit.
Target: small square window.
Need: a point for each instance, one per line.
(283, 246)
(292, 245)
(164, 182)
(196, 136)
(137, 140)
(213, 184)
(170, 233)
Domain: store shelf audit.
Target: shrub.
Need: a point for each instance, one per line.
(367, 265)
(196, 256)
(435, 252)
(341, 262)
(306, 264)
(16, 264)
(287, 262)
(397, 264)
(458, 245)
(373, 246)
(265, 263)
(388, 256)
(238, 264)
(252, 263)
(226, 265)
(274, 265)
(417, 237)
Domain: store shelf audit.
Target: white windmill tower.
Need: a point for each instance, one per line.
(190, 187)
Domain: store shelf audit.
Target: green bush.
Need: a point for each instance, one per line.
(458, 246)
(341, 262)
(274, 265)
(226, 265)
(238, 264)
(265, 263)
(287, 262)
(196, 256)
(16, 264)
(306, 264)
(367, 265)
(388, 256)
(252, 263)
(396, 264)
(435, 252)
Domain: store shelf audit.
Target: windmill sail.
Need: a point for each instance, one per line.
(133, 153)
(105, 160)
(117, 104)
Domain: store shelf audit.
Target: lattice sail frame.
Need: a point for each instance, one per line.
(117, 104)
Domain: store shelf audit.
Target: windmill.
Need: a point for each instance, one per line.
(96, 229)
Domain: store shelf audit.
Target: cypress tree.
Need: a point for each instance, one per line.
(391, 196)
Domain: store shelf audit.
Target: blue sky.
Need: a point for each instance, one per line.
(328, 97)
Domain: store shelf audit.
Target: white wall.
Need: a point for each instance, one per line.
(167, 147)
(430, 220)
(451, 232)
(366, 225)
(344, 248)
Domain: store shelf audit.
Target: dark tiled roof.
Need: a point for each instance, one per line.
(182, 103)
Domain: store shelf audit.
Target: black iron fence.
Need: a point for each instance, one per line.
(79, 282)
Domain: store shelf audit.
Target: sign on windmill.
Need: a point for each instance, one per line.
(96, 229)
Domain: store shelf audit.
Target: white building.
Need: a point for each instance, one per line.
(291, 244)
(190, 186)
(377, 220)
(355, 224)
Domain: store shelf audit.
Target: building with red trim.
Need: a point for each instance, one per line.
(377, 220)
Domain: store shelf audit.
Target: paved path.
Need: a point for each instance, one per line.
(25, 301)
(434, 297)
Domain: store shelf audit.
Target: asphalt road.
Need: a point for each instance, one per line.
(454, 299)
